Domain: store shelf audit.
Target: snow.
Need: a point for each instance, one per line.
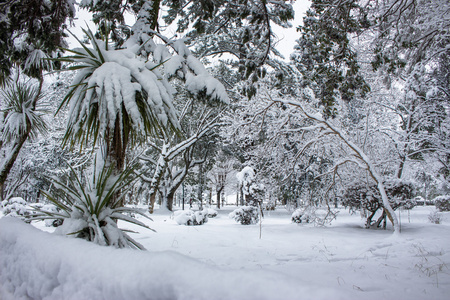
(225, 260)
(173, 65)
(113, 82)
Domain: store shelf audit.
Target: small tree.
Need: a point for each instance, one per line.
(23, 120)
(115, 100)
(252, 191)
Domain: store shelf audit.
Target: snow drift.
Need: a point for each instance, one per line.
(39, 265)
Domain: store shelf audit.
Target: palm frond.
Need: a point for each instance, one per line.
(95, 205)
(114, 84)
(22, 117)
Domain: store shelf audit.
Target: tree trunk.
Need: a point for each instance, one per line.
(169, 201)
(237, 195)
(210, 196)
(183, 196)
(151, 205)
(119, 142)
(11, 159)
(400, 167)
(241, 190)
(200, 186)
(219, 192)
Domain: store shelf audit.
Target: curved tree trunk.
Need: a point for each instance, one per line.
(357, 152)
(9, 161)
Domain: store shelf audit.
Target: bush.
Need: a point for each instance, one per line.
(190, 217)
(311, 214)
(435, 217)
(212, 213)
(442, 203)
(361, 195)
(15, 207)
(409, 204)
(301, 215)
(245, 215)
(90, 210)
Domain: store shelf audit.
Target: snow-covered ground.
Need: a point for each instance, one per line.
(226, 260)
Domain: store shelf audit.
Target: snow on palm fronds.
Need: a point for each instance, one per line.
(115, 87)
(38, 60)
(22, 115)
(123, 86)
(90, 210)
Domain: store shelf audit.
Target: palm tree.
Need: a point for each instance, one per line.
(23, 120)
(116, 100)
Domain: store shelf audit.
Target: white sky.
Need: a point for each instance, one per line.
(289, 36)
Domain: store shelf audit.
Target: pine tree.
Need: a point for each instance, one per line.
(29, 31)
(324, 55)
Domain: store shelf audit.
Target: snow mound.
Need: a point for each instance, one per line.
(39, 265)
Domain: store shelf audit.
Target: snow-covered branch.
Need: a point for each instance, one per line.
(361, 157)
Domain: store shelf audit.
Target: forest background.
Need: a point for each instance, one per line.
(360, 108)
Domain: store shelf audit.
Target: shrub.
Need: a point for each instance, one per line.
(301, 215)
(15, 207)
(245, 215)
(190, 218)
(212, 213)
(435, 217)
(311, 214)
(91, 210)
(361, 195)
(442, 203)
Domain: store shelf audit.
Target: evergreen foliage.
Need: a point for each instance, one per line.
(116, 99)
(30, 30)
(23, 116)
(242, 29)
(442, 203)
(324, 54)
(246, 215)
(90, 210)
(361, 195)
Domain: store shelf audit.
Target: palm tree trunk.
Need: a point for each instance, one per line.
(10, 160)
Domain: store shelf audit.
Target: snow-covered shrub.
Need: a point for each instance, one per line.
(301, 215)
(212, 213)
(15, 207)
(311, 214)
(90, 210)
(245, 215)
(435, 217)
(442, 203)
(361, 195)
(189, 217)
(253, 191)
(409, 203)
